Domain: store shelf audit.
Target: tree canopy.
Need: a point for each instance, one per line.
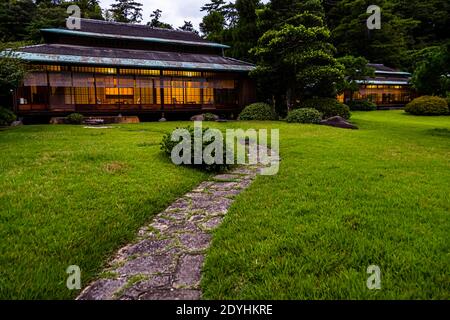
(295, 57)
(155, 21)
(127, 11)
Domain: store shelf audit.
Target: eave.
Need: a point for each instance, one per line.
(130, 63)
(393, 72)
(386, 82)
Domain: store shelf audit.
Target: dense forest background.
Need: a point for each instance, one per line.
(307, 47)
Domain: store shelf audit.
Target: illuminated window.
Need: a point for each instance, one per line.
(84, 88)
(182, 92)
(83, 69)
(60, 89)
(188, 74)
(53, 68)
(35, 89)
(105, 83)
(140, 72)
(106, 70)
(208, 96)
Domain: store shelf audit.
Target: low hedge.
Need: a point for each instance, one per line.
(258, 111)
(427, 106)
(362, 105)
(328, 107)
(6, 117)
(304, 115)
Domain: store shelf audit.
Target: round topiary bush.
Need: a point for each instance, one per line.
(167, 146)
(362, 105)
(75, 118)
(329, 107)
(304, 115)
(427, 106)
(258, 111)
(6, 117)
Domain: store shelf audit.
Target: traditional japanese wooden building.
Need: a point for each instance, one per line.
(109, 68)
(389, 88)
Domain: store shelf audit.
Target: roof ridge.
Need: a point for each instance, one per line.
(143, 26)
(237, 60)
(126, 49)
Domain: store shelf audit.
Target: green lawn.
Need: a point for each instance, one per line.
(342, 200)
(71, 196)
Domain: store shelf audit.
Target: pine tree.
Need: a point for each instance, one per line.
(128, 11)
(351, 36)
(295, 57)
(188, 26)
(15, 17)
(155, 21)
(90, 9)
(246, 33)
(213, 26)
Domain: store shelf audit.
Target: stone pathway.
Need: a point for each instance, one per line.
(166, 260)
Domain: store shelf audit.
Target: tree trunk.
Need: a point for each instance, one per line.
(288, 99)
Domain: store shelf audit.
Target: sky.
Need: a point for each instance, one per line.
(174, 12)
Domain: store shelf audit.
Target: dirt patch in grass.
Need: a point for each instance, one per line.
(115, 167)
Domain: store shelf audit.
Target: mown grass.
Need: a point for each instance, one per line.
(71, 196)
(343, 200)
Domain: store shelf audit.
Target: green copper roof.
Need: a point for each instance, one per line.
(126, 37)
(138, 63)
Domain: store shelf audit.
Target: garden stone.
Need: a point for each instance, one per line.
(201, 117)
(188, 273)
(338, 122)
(149, 246)
(147, 265)
(103, 289)
(195, 241)
(16, 123)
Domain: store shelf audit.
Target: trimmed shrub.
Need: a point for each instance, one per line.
(427, 106)
(304, 115)
(329, 107)
(75, 118)
(258, 111)
(6, 117)
(167, 146)
(362, 105)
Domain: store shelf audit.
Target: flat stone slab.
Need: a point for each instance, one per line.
(166, 260)
(147, 246)
(226, 177)
(189, 271)
(102, 289)
(195, 241)
(148, 265)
